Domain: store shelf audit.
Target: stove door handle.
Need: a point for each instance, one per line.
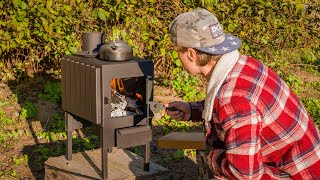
(156, 107)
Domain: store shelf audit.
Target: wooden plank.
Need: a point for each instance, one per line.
(183, 140)
(63, 83)
(93, 94)
(72, 87)
(68, 85)
(122, 164)
(77, 80)
(98, 95)
(88, 92)
(82, 90)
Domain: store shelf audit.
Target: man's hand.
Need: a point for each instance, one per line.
(182, 112)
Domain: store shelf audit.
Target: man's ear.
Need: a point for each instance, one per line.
(192, 54)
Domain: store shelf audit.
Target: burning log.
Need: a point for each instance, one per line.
(123, 103)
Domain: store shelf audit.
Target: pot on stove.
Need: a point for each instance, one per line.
(115, 50)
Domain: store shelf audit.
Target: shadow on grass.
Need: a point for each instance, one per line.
(28, 90)
(38, 116)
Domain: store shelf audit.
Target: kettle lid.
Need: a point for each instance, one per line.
(115, 50)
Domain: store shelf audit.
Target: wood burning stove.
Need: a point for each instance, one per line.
(87, 95)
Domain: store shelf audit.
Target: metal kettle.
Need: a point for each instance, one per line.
(115, 50)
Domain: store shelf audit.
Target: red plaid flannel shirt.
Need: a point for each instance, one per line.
(259, 129)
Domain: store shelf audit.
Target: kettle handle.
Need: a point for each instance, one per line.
(103, 37)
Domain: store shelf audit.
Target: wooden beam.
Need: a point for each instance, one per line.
(183, 140)
(122, 164)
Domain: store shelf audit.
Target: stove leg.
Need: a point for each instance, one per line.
(69, 146)
(69, 129)
(104, 152)
(146, 166)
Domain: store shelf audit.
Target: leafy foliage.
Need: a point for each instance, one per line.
(29, 110)
(313, 108)
(7, 129)
(36, 33)
(168, 125)
(183, 82)
(20, 160)
(51, 92)
(4, 119)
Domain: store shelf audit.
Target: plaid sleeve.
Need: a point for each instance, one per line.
(196, 110)
(242, 158)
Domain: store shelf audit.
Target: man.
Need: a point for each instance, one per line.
(256, 128)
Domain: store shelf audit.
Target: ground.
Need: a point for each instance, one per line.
(13, 150)
(25, 142)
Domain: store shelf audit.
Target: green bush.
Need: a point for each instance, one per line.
(29, 110)
(34, 34)
(51, 92)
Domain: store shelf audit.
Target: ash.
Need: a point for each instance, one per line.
(123, 106)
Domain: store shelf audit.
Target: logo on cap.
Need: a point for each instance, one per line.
(216, 30)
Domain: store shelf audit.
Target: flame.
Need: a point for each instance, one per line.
(117, 85)
(139, 96)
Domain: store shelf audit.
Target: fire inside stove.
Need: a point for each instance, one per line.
(126, 97)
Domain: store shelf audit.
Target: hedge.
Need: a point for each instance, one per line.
(35, 34)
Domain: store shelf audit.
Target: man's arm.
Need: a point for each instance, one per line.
(242, 158)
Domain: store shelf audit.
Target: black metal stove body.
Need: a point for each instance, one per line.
(86, 94)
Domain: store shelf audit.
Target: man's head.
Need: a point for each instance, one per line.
(201, 30)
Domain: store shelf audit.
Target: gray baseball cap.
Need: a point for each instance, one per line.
(201, 30)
